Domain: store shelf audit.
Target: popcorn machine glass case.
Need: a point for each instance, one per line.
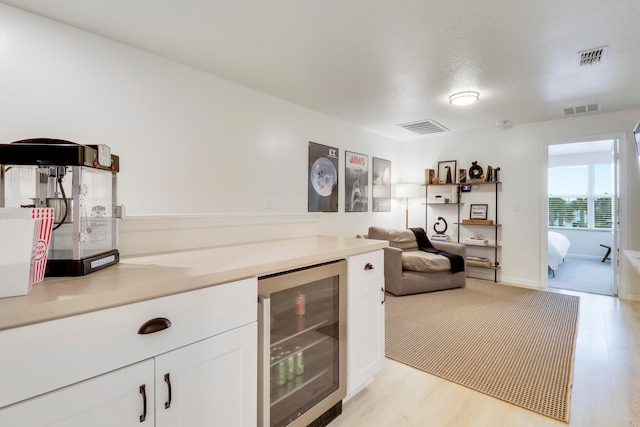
(80, 183)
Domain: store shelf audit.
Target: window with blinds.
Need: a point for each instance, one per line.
(580, 196)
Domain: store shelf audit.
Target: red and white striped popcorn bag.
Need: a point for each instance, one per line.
(41, 250)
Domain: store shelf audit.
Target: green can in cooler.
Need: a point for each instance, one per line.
(299, 362)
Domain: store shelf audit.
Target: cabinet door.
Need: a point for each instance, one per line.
(210, 383)
(365, 333)
(50, 355)
(112, 399)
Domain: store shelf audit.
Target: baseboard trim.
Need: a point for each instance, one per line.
(521, 282)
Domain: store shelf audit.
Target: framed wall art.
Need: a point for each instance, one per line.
(381, 177)
(447, 172)
(323, 178)
(478, 212)
(356, 182)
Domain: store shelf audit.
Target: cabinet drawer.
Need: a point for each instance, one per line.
(45, 356)
(365, 267)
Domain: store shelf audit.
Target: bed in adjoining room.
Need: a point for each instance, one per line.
(557, 249)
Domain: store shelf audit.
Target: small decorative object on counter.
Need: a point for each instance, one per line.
(23, 263)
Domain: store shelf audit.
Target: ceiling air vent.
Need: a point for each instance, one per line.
(582, 109)
(592, 56)
(424, 127)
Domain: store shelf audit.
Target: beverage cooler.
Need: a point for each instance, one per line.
(302, 346)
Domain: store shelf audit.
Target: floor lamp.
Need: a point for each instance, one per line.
(406, 191)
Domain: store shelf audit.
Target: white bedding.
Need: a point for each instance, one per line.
(558, 247)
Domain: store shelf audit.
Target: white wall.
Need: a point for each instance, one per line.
(189, 142)
(520, 152)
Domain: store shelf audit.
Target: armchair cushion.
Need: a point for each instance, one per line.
(424, 261)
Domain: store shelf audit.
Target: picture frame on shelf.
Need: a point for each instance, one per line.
(447, 172)
(429, 176)
(462, 175)
(478, 211)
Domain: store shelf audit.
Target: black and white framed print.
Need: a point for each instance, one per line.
(478, 212)
(447, 172)
(323, 178)
(356, 182)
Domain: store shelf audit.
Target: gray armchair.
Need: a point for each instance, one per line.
(407, 270)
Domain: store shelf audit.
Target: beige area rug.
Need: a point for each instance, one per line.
(511, 343)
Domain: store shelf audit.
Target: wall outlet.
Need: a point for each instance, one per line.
(267, 203)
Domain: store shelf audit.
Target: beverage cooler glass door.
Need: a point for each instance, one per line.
(302, 345)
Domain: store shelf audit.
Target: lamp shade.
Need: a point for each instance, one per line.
(406, 191)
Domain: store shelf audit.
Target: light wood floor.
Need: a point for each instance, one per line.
(606, 383)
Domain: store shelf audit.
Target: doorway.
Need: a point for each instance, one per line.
(582, 222)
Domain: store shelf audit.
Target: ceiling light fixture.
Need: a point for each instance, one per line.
(464, 98)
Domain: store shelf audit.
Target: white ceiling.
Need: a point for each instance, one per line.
(380, 63)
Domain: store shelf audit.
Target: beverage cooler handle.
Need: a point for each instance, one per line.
(264, 361)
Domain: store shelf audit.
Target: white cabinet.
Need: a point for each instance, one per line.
(365, 319)
(212, 382)
(118, 398)
(98, 369)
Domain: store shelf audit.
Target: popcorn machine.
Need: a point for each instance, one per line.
(80, 183)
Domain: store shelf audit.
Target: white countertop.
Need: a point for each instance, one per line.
(145, 277)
